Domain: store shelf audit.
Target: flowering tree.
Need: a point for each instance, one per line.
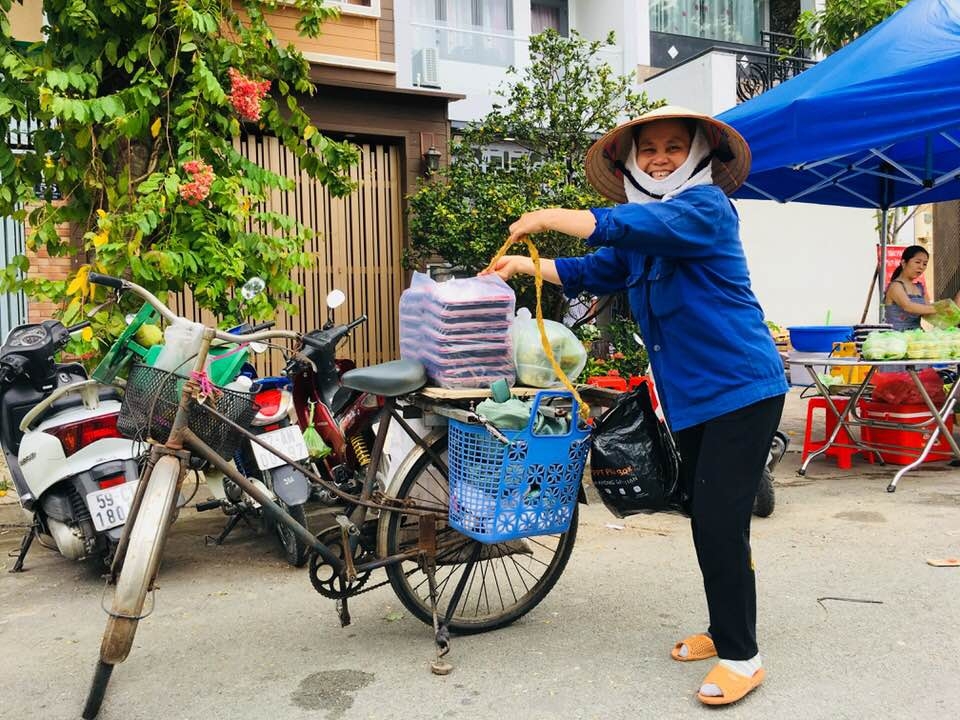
(137, 105)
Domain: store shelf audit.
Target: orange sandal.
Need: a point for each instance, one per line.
(734, 686)
(699, 647)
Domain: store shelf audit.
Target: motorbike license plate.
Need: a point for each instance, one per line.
(288, 440)
(109, 508)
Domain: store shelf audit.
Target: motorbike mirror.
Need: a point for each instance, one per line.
(252, 287)
(335, 299)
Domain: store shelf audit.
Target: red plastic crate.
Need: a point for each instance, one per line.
(907, 439)
(614, 382)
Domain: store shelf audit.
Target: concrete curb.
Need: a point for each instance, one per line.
(11, 514)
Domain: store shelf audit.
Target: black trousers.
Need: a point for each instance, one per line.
(722, 463)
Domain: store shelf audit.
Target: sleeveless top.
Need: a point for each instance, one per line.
(899, 318)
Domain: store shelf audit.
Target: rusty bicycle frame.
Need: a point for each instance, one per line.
(182, 443)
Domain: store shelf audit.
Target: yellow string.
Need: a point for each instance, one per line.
(544, 340)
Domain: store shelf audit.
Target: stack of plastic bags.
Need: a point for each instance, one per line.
(459, 330)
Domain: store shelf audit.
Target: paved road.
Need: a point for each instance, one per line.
(237, 634)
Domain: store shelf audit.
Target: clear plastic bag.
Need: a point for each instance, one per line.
(533, 365)
(884, 346)
(947, 315)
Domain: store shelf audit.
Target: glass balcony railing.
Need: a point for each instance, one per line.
(479, 47)
(439, 43)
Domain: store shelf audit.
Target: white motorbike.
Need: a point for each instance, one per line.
(72, 469)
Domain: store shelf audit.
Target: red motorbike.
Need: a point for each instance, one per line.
(343, 417)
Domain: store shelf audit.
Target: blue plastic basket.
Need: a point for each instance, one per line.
(502, 492)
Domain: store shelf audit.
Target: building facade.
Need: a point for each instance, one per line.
(805, 260)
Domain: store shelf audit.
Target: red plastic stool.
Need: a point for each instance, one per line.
(843, 455)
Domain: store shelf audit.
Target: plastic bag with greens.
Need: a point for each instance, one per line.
(533, 365)
(919, 345)
(884, 346)
(947, 315)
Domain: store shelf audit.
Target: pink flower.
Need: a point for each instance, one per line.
(246, 94)
(197, 188)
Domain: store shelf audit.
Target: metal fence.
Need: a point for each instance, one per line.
(758, 72)
(13, 306)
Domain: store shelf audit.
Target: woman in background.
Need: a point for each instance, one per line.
(906, 297)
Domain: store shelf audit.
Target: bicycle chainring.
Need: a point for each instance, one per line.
(322, 576)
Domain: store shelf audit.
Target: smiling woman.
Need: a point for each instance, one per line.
(673, 245)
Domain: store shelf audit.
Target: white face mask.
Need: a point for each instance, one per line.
(676, 182)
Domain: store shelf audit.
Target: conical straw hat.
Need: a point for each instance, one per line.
(731, 165)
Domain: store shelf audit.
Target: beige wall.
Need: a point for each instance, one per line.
(807, 259)
(26, 20)
(352, 36)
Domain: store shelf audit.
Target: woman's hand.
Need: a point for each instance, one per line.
(579, 223)
(529, 223)
(510, 265)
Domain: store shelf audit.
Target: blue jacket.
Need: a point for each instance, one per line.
(682, 264)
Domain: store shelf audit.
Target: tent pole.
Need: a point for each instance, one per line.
(882, 262)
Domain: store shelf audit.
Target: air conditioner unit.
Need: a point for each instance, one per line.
(425, 70)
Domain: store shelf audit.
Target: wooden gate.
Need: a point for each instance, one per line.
(356, 247)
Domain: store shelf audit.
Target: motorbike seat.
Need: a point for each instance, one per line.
(389, 379)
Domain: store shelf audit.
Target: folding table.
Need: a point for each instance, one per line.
(849, 417)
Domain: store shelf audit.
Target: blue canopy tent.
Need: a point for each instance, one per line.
(874, 125)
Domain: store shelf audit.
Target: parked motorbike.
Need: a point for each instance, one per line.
(342, 417)
(765, 501)
(71, 467)
(289, 487)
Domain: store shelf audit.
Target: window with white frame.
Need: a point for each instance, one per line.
(738, 21)
(473, 31)
(358, 7)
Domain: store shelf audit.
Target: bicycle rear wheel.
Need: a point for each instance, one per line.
(508, 581)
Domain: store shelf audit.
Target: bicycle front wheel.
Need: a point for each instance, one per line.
(507, 581)
(142, 559)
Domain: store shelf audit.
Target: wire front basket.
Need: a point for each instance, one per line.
(150, 405)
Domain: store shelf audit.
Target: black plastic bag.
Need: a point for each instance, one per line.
(634, 463)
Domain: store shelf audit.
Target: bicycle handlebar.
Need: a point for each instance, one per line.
(108, 280)
(170, 316)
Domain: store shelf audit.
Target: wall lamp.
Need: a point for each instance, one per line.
(431, 160)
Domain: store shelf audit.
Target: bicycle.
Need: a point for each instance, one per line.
(444, 578)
